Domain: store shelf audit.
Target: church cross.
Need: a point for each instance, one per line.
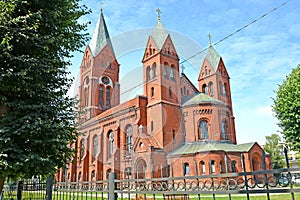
(158, 13)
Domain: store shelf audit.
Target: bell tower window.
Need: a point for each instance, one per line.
(100, 96)
(203, 129)
(108, 96)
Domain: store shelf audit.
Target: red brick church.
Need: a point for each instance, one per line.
(173, 129)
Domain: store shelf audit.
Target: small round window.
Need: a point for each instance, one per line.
(105, 80)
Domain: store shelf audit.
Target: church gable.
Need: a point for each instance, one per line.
(151, 48)
(206, 70)
(168, 47)
(222, 69)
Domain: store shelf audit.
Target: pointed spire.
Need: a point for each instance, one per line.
(209, 38)
(213, 57)
(100, 36)
(159, 33)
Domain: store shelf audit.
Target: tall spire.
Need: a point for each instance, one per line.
(159, 33)
(100, 36)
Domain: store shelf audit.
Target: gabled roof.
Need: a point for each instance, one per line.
(207, 146)
(100, 37)
(159, 34)
(198, 98)
(213, 57)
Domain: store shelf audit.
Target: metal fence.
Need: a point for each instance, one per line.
(245, 185)
(248, 185)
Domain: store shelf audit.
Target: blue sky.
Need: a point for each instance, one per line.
(257, 58)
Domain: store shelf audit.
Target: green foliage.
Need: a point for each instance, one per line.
(287, 108)
(37, 118)
(272, 147)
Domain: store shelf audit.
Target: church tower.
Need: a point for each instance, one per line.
(99, 87)
(213, 80)
(162, 88)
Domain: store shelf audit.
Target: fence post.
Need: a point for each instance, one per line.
(289, 173)
(19, 190)
(49, 184)
(112, 185)
(245, 175)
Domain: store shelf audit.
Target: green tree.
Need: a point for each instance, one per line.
(287, 108)
(37, 118)
(272, 147)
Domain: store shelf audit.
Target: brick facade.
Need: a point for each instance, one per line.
(172, 129)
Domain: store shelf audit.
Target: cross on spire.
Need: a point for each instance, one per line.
(158, 13)
(209, 38)
(101, 5)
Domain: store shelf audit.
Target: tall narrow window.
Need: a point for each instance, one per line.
(110, 143)
(186, 169)
(154, 69)
(204, 89)
(202, 167)
(166, 70)
(95, 146)
(108, 96)
(152, 92)
(86, 91)
(225, 89)
(152, 126)
(223, 129)
(82, 148)
(148, 73)
(211, 88)
(129, 141)
(203, 129)
(101, 96)
(221, 167)
(172, 73)
(220, 88)
(233, 166)
(212, 167)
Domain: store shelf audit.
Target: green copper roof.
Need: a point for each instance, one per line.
(100, 37)
(159, 34)
(213, 57)
(206, 146)
(198, 98)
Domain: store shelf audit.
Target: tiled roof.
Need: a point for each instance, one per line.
(100, 37)
(198, 98)
(207, 146)
(213, 57)
(159, 35)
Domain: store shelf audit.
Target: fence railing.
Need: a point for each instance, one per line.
(281, 181)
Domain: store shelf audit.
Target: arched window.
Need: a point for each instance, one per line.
(128, 173)
(204, 89)
(205, 70)
(110, 143)
(150, 49)
(101, 96)
(203, 129)
(148, 73)
(129, 140)
(223, 129)
(82, 148)
(166, 70)
(211, 88)
(108, 96)
(154, 69)
(212, 167)
(202, 167)
(225, 89)
(233, 166)
(221, 167)
(79, 177)
(86, 91)
(170, 92)
(93, 175)
(95, 146)
(220, 88)
(186, 169)
(184, 90)
(152, 92)
(107, 173)
(172, 73)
